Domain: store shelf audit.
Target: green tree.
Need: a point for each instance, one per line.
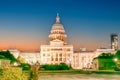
(25, 66)
(117, 55)
(7, 55)
(105, 61)
(106, 56)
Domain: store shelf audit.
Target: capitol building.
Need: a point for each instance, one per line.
(59, 51)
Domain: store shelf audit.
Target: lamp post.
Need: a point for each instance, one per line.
(115, 59)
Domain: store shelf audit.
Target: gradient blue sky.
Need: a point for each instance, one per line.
(26, 24)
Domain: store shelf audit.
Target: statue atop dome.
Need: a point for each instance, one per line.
(57, 18)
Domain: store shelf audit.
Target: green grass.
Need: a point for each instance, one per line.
(80, 72)
(72, 72)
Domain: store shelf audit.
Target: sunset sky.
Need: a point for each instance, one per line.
(26, 24)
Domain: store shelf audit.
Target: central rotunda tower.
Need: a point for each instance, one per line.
(57, 31)
(57, 51)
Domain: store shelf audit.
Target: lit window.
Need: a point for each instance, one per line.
(56, 55)
(52, 59)
(56, 59)
(60, 55)
(60, 59)
(68, 55)
(43, 54)
(68, 49)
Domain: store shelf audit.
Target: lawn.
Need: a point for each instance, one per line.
(59, 76)
(78, 75)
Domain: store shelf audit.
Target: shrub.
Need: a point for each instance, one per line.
(1, 71)
(12, 73)
(61, 66)
(25, 66)
(117, 68)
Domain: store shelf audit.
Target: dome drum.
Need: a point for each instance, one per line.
(57, 32)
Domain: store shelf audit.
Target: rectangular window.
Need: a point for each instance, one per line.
(60, 55)
(68, 49)
(52, 59)
(56, 59)
(68, 55)
(43, 54)
(60, 59)
(56, 55)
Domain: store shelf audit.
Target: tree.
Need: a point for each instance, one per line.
(105, 61)
(21, 59)
(117, 55)
(25, 66)
(106, 56)
(7, 55)
(34, 75)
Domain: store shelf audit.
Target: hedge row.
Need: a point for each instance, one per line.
(61, 66)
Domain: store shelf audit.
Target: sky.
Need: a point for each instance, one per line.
(26, 24)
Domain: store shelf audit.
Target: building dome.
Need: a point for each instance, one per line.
(57, 31)
(57, 26)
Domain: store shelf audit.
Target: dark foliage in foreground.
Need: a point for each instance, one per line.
(25, 66)
(7, 55)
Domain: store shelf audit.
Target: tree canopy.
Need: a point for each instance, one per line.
(7, 55)
(117, 54)
(106, 56)
(21, 59)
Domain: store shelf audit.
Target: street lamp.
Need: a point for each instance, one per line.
(115, 59)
